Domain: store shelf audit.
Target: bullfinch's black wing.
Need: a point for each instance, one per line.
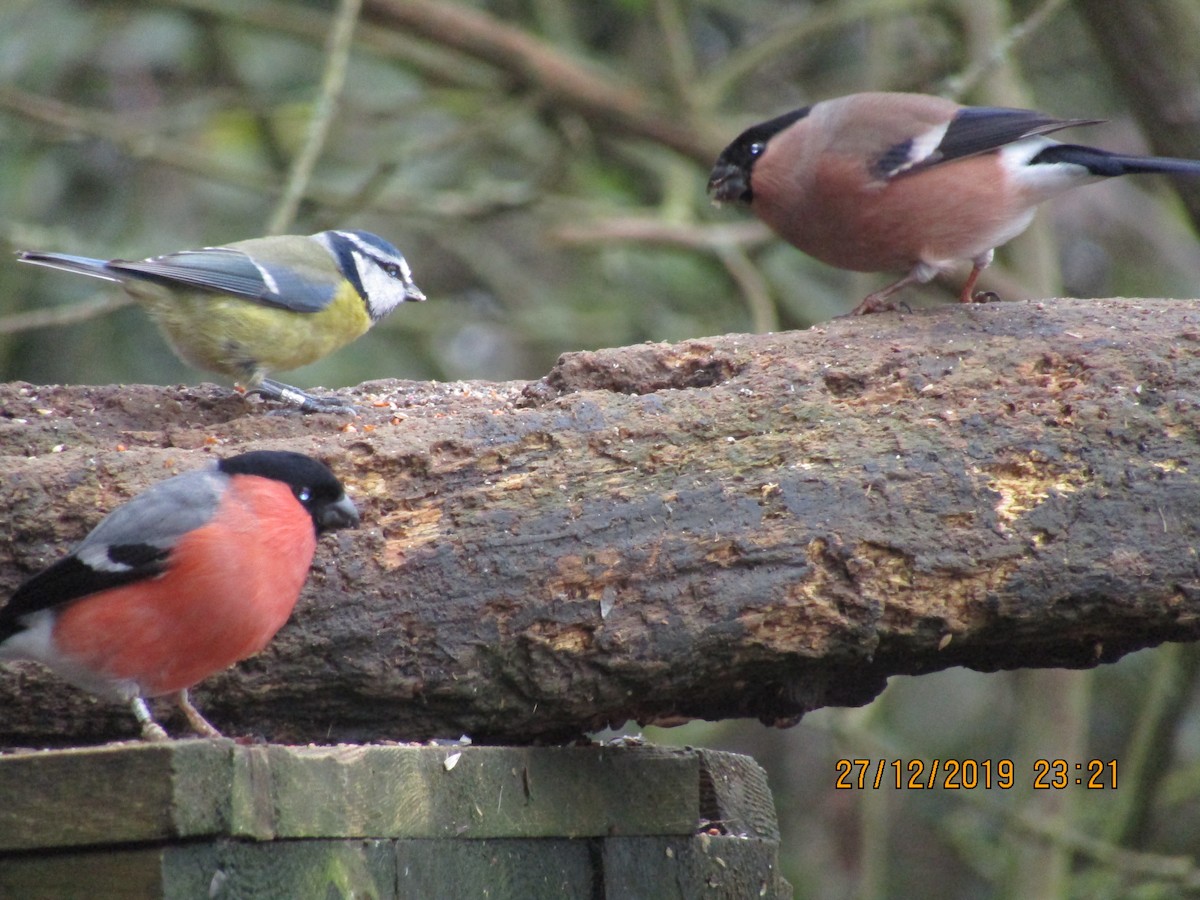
(229, 271)
(132, 543)
(974, 129)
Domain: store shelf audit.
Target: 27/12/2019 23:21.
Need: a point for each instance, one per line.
(969, 774)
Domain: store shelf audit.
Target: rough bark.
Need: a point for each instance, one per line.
(736, 526)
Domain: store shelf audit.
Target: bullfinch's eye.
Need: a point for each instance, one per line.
(757, 148)
(303, 494)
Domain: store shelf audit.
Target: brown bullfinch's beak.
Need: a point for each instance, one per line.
(728, 184)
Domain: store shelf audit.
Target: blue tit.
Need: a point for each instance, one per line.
(253, 307)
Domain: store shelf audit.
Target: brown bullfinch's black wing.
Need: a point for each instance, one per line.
(973, 130)
(131, 543)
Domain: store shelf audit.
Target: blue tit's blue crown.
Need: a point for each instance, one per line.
(385, 248)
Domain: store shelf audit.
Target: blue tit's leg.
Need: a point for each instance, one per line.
(277, 390)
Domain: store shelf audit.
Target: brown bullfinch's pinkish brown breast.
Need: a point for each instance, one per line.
(890, 226)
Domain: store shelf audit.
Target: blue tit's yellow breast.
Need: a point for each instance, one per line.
(245, 339)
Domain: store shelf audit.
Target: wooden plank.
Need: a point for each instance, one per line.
(469, 792)
(118, 793)
(663, 868)
(139, 792)
(715, 868)
(525, 869)
(281, 870)
(735, 796)
(229, 870)
(95, 875)
(384, 822)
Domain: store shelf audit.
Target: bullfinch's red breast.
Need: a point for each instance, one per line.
(885, 182)
(186, 579)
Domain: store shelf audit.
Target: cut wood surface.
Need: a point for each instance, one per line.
(746, 525)
(219, 819)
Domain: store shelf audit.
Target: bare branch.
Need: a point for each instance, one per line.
(539, 65)
(337, 59)
(100, 305)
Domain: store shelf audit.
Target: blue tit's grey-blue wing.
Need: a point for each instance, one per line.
(227, 271)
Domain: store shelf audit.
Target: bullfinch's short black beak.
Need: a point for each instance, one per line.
(341, 514)
(727, 184)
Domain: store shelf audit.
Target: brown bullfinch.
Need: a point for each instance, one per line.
(184, 580)
(885, 182)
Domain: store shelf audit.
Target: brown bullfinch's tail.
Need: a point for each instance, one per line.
(1103, 163)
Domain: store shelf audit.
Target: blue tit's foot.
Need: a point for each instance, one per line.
(306, 403)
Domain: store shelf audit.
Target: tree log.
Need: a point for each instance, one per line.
(747, 525)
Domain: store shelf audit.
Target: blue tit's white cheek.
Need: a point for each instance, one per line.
(383, 291)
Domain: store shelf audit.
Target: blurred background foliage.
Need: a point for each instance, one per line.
(542, 163)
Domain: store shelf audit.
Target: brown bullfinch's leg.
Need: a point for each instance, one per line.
(880, 300)
(199, 724)
(151, 730)
(967, 295)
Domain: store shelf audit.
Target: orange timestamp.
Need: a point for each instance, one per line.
(972, 774)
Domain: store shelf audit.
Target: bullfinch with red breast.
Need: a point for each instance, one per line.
(186, 579)
(890, 182)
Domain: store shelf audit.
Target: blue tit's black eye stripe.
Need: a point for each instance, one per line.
(343, 250)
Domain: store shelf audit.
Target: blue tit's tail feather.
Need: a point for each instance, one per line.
(97, 268)
(1105, 164)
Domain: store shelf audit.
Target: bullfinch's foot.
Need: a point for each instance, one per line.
(199, 724)
(985, 297)
(303, 401)
(151, 730)
(874, 303)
